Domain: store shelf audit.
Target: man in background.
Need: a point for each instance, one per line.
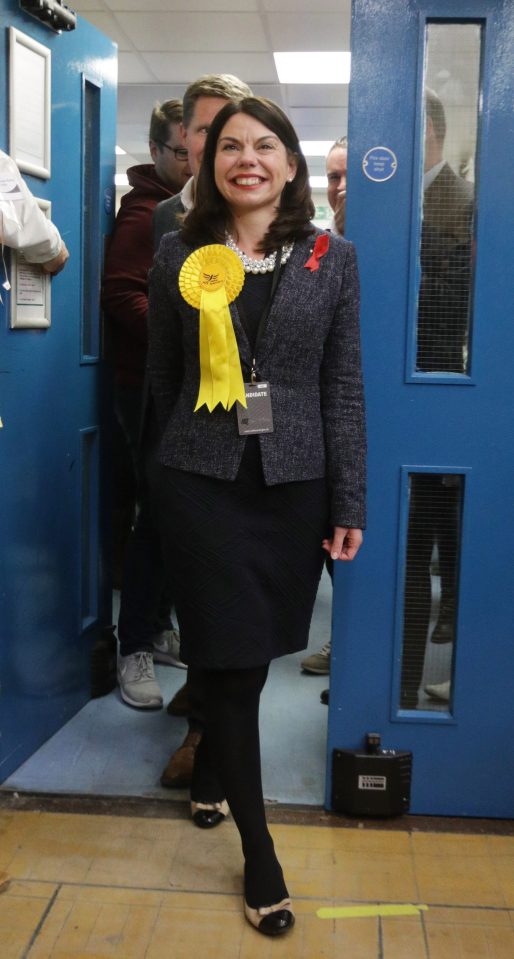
(336, 163)
(445, 254)
(435, 499)
(203, 99)
(145, 630)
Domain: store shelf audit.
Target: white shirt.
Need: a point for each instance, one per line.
(187, 195)
(23, 226)
(431, 174)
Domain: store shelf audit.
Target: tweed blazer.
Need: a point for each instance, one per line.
(310, 354)
(167, 216)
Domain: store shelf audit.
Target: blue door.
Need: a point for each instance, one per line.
(54, 594)
(424, 618)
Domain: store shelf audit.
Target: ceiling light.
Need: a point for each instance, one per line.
(318, 182)
(310, 68)
(120, 151)
(315, 148)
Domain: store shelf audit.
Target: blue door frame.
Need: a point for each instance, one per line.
(462, 754)
(55, 591)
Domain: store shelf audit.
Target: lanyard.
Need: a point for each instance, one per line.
(263, 322)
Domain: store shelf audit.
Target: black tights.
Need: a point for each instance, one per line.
(228, 765)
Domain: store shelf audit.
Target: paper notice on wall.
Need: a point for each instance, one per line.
(30, 289)
(31, 296)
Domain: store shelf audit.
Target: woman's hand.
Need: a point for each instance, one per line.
(345, 543)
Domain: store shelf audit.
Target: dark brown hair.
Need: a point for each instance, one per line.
(210, 217)
(164, 114)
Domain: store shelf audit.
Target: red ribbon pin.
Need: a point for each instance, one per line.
(320, 248)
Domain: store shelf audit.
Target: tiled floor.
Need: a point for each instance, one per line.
(100, 886)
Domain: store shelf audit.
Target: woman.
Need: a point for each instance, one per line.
(246, 515)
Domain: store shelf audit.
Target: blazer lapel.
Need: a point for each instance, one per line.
(280, 307)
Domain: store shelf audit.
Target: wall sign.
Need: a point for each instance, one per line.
(29, 104)
(31, 297)
(379, 164)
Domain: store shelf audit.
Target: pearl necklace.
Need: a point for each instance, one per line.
(251, 265)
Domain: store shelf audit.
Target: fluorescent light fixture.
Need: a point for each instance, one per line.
(121, 179)
(120, 151)
(315, 148)
(318, 182)
(310, 68)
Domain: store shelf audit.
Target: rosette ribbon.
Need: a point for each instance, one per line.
(209, 280)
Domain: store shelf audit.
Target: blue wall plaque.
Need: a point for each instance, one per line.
(379, 164)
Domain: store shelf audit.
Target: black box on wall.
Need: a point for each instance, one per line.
(371, 782)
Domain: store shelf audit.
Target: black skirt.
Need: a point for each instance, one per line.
(245, 561)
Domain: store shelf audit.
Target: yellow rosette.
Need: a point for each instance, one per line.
(209, 280)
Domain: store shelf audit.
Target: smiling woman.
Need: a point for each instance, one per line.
(252, 487)
(256, 134)
(252, 166)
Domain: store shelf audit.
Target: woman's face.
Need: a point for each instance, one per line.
(251, 166)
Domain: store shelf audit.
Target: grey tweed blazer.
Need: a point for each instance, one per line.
(310, 354)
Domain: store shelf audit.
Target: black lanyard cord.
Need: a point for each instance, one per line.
(263, 322)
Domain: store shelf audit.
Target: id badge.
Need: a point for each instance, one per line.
(257, 417)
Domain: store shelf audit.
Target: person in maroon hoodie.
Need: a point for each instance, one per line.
(145, 630)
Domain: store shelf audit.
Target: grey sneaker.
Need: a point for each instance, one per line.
(319, 662)
(166, 649)
(138, 685)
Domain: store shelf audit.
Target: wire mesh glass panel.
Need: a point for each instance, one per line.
(446, 248)
(91, 223)
(431, 590)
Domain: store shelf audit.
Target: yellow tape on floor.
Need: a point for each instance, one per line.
(354, 912)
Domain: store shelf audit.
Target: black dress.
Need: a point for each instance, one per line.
(245, 558)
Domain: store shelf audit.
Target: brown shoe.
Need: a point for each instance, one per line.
(179, 770)
(179, 705)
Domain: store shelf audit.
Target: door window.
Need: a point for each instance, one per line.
(431, 590)
(445, 244)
